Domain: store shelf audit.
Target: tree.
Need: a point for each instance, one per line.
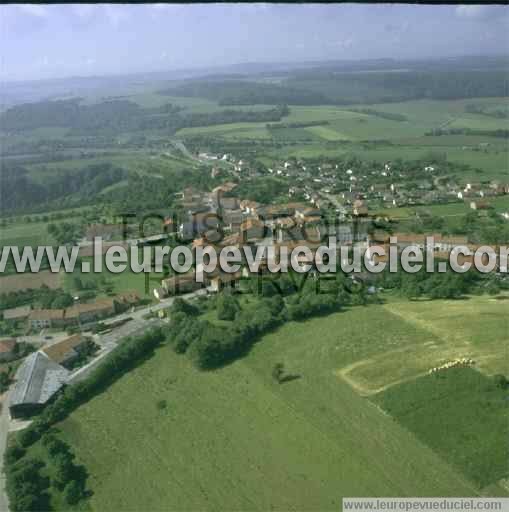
(161, 405)
(501, 381)
(28, 436)
(227, 307)
(63, 469)
(73, 492)
(4, 381)
(13, 453)
(62, 301)
(182, 306)
(278, 372)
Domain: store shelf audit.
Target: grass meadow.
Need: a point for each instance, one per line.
(299, 445)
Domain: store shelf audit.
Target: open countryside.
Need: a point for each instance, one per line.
(148, 391)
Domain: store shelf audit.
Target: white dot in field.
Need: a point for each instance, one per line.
(442, 266)
(85, 266)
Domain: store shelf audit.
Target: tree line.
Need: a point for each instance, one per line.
(110, 118)
(21, 192)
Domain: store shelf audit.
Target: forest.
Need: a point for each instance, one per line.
(113, 117)
(20, 192)
(334, 88)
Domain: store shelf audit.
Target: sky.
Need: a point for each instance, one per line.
(50, 41)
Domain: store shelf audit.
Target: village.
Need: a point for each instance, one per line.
(324, 202)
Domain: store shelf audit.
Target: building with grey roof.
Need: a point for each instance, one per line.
(37, 380)
(17, 314)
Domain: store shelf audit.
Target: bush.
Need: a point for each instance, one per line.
(501, 381)
(182, 306)
(161, 405)
(13, 453)
(227, 307)
(25, 486)
(28, 436)
(73, 492)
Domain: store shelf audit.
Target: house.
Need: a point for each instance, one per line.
(36, 382)
(160, 293)
(199, 223)
(64, 352)
(84, 313)
(7, 349)
(44, 318)
(181, 283)
(301, 232)
(249, 207)
(479, 205)
(232, 219)
(217, 194)
(253, 230)
(105, 232)
(224, 279)
(191, 195)
(126, 300)
(448, 243)
(228, 203)
(441, 244)
(15, 315)
(129, 297)
(359, 208)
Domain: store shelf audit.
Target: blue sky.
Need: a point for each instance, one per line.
(46, 41)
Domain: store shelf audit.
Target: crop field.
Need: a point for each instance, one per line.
(440, 331)
(303, 444)
(133, 160)
(485, 154)
(25, 234)
(461, 414)
(17, 282)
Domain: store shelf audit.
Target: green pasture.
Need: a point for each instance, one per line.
(299, 445)
(461, 414)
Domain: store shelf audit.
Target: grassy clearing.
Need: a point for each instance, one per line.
(327, 133)
(108, 283)
(220, 129)
(301, 445)
(26, 233)
(461, 414)
(435, 332)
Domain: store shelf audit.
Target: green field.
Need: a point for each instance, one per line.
(107, 282)
(235, 439)
(21, 234)
(407, 138)
(500, 204)
(440, 331)
(461, 414)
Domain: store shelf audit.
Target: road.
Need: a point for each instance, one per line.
(4, 430)
(138, 314)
